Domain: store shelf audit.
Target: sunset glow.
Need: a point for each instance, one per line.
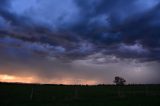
(10, 78)
(66, 81)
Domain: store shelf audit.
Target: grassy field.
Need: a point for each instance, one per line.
(76, 95)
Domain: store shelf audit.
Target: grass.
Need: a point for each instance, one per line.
(76, 95)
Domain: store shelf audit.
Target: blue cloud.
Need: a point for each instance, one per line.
(103, 24)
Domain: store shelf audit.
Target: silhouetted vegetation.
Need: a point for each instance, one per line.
(78, 95)
(119, 80)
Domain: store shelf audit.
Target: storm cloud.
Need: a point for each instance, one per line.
(79, 39)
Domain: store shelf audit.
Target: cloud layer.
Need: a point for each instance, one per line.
(55, 38)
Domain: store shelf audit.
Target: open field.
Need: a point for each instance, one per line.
(76, 95)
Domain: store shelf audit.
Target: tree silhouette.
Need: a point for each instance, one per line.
(119, 80)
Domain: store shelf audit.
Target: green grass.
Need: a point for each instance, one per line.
(62, 95)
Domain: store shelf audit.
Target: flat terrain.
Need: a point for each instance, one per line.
(76, 95)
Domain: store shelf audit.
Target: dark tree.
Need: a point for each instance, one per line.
(119, 81)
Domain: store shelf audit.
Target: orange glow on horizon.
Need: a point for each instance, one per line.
(11, 78)
(28, 79)
(71, 81)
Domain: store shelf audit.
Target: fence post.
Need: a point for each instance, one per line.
(31, 95)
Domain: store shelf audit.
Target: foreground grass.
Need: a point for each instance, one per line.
(61, 95)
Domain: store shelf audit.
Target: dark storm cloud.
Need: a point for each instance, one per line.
(8, 16)
(85, 39)
(104, 24)
(4, 3)
(129, 22)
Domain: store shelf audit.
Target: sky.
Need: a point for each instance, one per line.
(80, 41)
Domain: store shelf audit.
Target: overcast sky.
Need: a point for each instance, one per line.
(80, 41)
